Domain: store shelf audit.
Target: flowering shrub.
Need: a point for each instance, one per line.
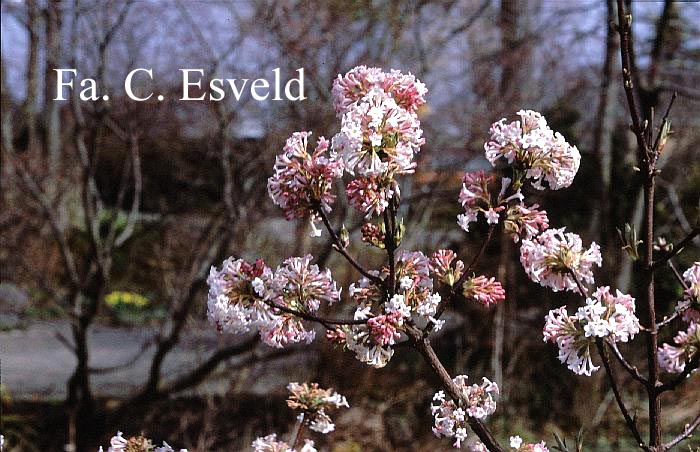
(136, 444)
(402, 301)
(314, 404)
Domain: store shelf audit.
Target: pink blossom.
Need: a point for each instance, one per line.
(516, 443)
(270, 443)
(545, 154)
(689, 307)
(474, 197)
(371, 195)
(450, 416)
(524, 222)
(549, 259)
(407, 91)
(362, 339)
(486, 291)
(285, 329)
(674, 358)
(574, 347)
(477, 197)
(442, 267)
(236, 292)
(301, 286)
(384, 328)
(373, 234)
(303, 181)
(603, 316)
(377, 137)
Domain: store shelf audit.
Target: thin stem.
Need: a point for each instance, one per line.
(632, 370)
(581, 287)
(299, 433)
(423, 346)
(689, 367)
(648, 159)
(686, 433)
(314, 318)
(340, 247)
(390, 244)
(677, 248)
(677, 274)
(477, 257)
(631, 424)
(455, 290)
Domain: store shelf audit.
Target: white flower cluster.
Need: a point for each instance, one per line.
(315, 403)
(533, 146)
(516, 443)
(378, 136)
(604, 316)
(550, 257)
(414, 300)
(270, 443)
(451, 417)
(139, 443)
(243, 296)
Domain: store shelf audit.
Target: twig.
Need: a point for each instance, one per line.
(677, 248)
(390, 245)
(581, 287)
(455, 290)
(689, 367)
(632, 370)
(299, 432)
(631, 424)
(677, 274)
(686, 433)
(477, 256)
(341, 249)
(314, 318)
(422, 344)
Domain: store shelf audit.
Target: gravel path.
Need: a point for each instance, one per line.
(34, 362)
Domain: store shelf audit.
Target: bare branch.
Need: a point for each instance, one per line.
(677, 248)
(631, 424)
(632, 370)
(686, 433)
(690, 366)
(339, 246)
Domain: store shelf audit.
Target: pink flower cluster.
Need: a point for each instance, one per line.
(377, 136)
(475, 197)
(302, 181)
(315, 403)
(524, 222)
(371, 195)
(450, 417)
(673, 358)
(407, 91)
(235, 300)
(551, 257)
(136, 443)
(245, 296)
(687, 343)
(445, 267)
(369, 347)
(486, 291)
(413, 300)
(270, 443)
(516, 443)
(380, 132)
(532, 146)
(689, 306)
(604, 316)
